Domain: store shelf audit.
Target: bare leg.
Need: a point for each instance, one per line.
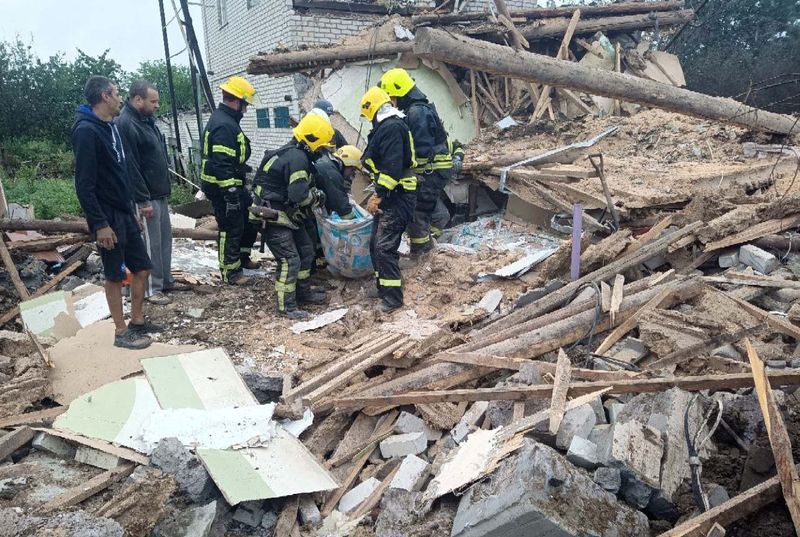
(114, 299)
(138, 285)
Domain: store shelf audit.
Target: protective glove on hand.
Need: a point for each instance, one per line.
(458, 164)
(373, 205)
(317, 197)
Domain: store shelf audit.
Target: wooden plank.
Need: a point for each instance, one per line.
(100, 445)
(32, 417)
(558, 400)
(341, 380)
(651, 234)
(770, 227)
(98, 483)
(381, 432)
(43, 354)
(778, 437)
(539, 109)
(616, 297)
(287, 519)
(545, 391)
(514, 364)
(690, 352)
(16, 439)
(605, 297)
(336, 495)
(776, 323)
(729, 512)
(373, 499)
(633, 321)
(11, 268)
(340, 366)
(737, 278)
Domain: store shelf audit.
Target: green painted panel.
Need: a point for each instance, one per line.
(101, 413)
(170, 383)
(234, 475)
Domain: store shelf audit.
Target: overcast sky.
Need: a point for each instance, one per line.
(131, 29)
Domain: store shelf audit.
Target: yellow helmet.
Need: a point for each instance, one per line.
(350, 155)
(239, 87)
(397, 82)
(315, 131)
(372, 100)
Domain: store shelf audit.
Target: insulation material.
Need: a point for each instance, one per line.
(39, 314)
(319, 321)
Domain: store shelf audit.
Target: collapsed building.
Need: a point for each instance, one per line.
(604, 342)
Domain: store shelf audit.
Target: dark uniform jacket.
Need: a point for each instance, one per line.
(101, 175)
(225, 150)
(430, 138)
(283, 177)
(146, 155)
(329, 178)
(389, 157)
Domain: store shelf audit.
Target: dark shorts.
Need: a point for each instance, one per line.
(129, 251)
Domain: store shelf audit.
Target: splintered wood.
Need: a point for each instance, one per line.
(558, 401)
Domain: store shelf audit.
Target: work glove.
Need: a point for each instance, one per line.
(458, 163)
(317, 197)
(373, 205)
(297, 215)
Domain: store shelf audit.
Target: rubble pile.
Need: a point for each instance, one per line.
(612, 351)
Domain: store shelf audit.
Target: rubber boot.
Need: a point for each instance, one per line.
(290, 308)
(311, 296)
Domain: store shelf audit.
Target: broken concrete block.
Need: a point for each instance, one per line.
(787, 295)
(468, 421)
(637, 449)
(601, 437)
(249, 513)
(411, 471)
(717, 495)
(599, 410)
(400, 445)
(582, 453)
(609, 479)
(96, 458)
(635, 491)
(630, 350)
(729, 258)
(761, 260)
(613, 408)
(55, 445)
(269, 521)
(795, 363)
(577, 422)
(433, 435)
(173, 458)
(408, 423)
(776, 364)
(399, 513)
(309, 512)
(10, 487)
(654, 262)
(197, 521)
(357, 494)
(659, 422)
(536, 492)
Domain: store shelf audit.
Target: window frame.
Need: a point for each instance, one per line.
(280, 117)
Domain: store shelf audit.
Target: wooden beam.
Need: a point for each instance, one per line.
(754, 280)
(778, 437)
(558, 400)
(605, 297)
(12, 271)
(770, 227)
(32, 417)
(475, 54)
(79, 226)
(633, 321)
(776, 323)
(539, 109)
(738, 507)
(16, 439)
(682, 355)
(649, 235)
(287, 518)
(100, 445)
(98, 483)
(333, 499)
(616, 297)
(545, 391)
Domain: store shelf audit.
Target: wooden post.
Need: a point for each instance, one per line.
(12, 270)
(476, 54)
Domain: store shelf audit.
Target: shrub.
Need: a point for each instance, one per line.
(50, 197)
(28, 158)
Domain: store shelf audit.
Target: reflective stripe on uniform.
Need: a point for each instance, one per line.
(390, 283)
(223, 236)
(387, 181)
(436, 232)
(242, 147)
(221, 183)
(420, 240)
(223, 149)
(413, 152)
(281, 287)
(300, 175)
(269, 163)
(304, 274)
(245, 250)
(409, 184)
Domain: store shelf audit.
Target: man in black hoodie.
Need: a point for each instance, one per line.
(148, 172)
(101, 182)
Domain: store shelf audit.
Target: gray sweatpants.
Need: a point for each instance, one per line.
(157, 232)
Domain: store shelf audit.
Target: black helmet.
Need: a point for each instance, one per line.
(325, 106)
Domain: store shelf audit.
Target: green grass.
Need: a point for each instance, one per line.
(181, 193)
(50, 197)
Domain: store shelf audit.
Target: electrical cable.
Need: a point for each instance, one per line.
(695, 445)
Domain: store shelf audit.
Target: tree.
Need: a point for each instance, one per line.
(156, 73)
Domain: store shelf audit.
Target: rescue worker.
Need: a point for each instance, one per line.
(389, 160)
(441, 215)
(283, 182)
(333, 174)
(225, 150)
(338, 138)
(434, 159)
